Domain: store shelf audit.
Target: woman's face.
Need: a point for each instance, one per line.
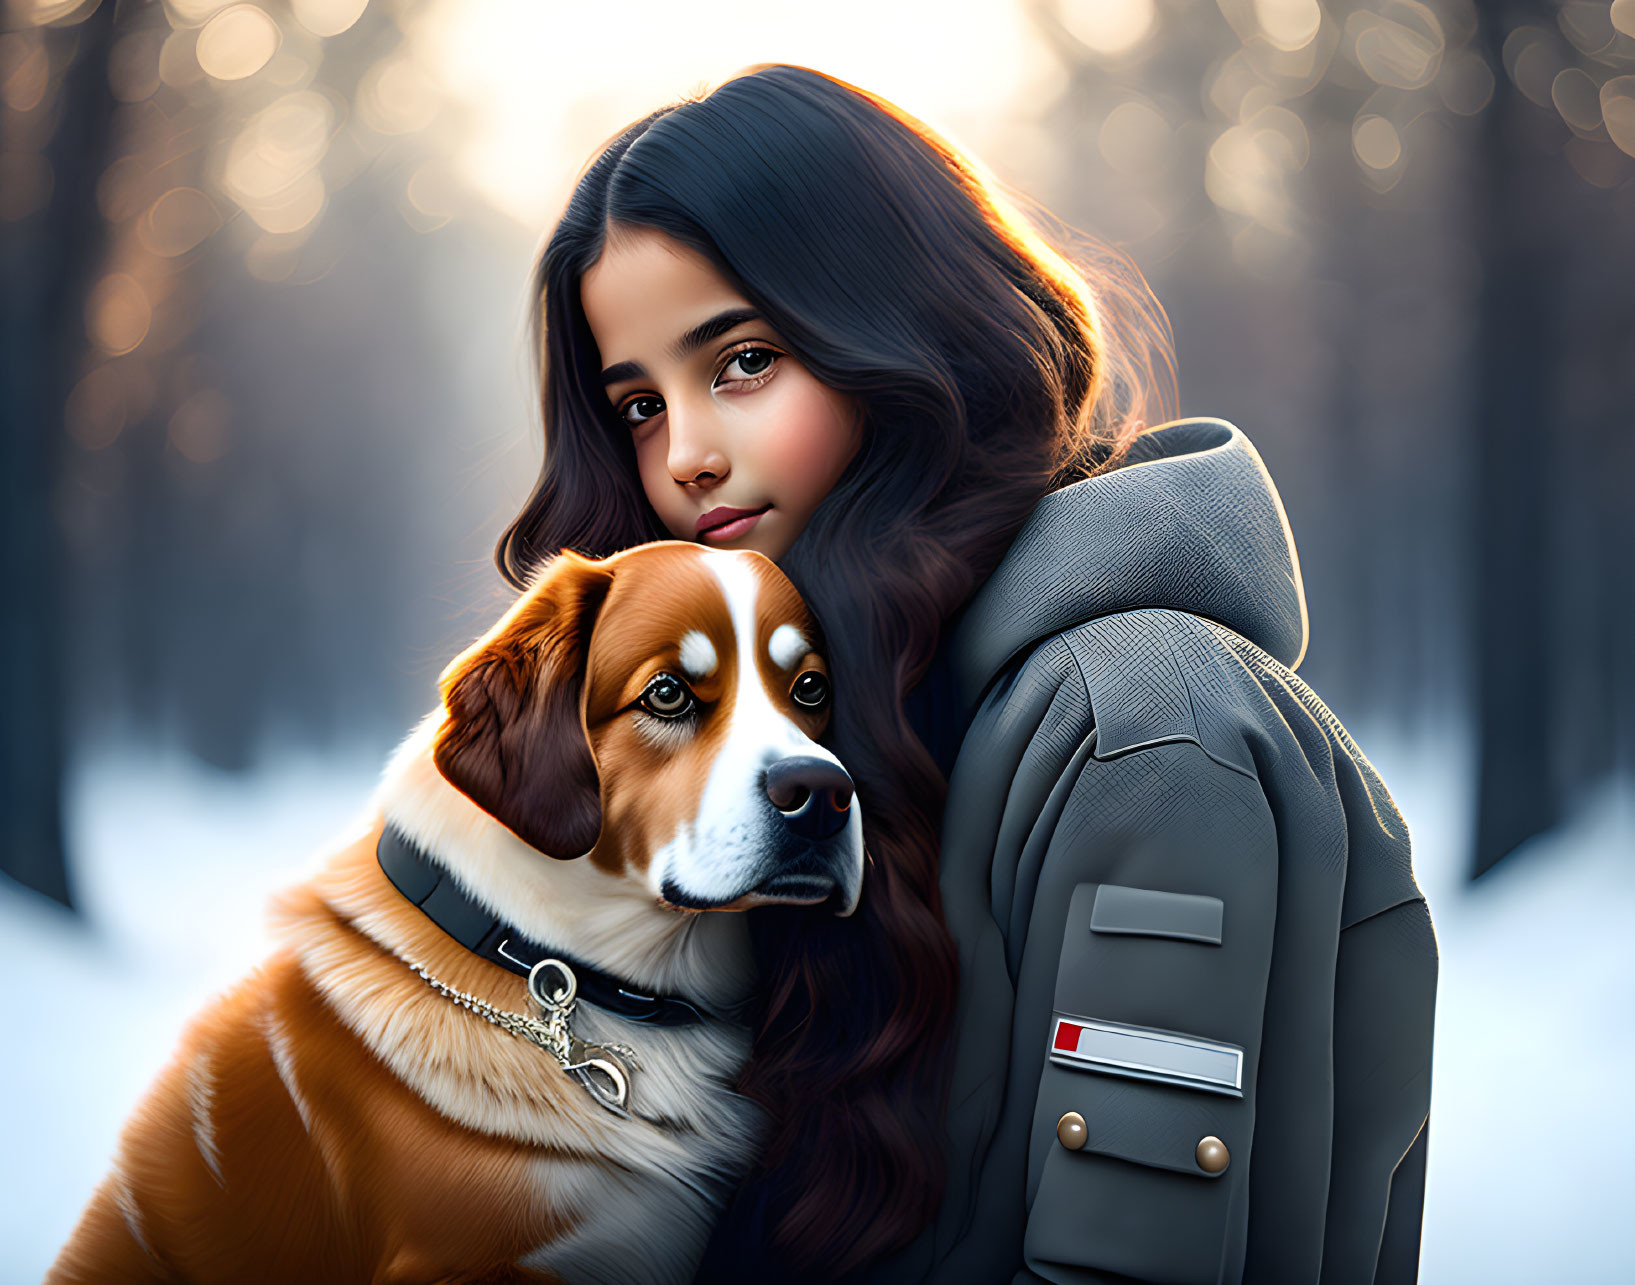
(737, 442)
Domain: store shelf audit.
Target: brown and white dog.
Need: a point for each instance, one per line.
(652, 720)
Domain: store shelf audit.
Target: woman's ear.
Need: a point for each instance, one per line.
(514, 738)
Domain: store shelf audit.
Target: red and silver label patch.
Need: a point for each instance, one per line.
(1146, 1053)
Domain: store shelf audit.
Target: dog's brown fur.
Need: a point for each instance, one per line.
(276, 1146)
(334, 1118)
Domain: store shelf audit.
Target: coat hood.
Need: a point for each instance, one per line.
(1191, 522)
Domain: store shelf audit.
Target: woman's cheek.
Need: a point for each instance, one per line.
(812, 441)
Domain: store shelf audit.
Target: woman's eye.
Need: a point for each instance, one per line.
(638, 410)
(751, 363)
(667, 697)
(811, 689)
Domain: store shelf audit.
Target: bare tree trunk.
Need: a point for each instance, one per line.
(46, 260)
(1518, 363)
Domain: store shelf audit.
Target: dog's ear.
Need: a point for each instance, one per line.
(514, 737)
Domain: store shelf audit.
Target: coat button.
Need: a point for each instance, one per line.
(1212, 1155)
(1071, 1131)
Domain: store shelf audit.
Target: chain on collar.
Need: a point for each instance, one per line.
(603, 1069)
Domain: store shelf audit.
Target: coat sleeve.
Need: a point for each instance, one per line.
(1142, 982)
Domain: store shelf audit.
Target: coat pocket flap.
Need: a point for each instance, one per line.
(1134, 1199)
(1145, 1124)
(1146, 912)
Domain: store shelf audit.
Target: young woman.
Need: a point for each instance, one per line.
(1164, 916)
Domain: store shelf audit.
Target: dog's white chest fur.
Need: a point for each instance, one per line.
(641, 1195)
(679, 1162)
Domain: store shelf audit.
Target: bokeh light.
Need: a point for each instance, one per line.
(1618, 111)
(1465, 83)
(118, 314)
(198, 429)
(1532, 60)
(1135, 138)
(1577, 98)
(272, 164)
(431, 197)
(122, 188)
(1588, 25)
(1400, 46)
(1622, 16)
(1376, 142)
(237, 42)
(133, 65)
(397, 97)
(1288, 25)
(95, 413)
(41, 13)
(328, 17)
(1110, 27)
(193, 13)
(1244, 172)
(25, 72)
(178, 221)
(272, 257)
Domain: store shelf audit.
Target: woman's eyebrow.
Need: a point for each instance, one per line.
(689, 343)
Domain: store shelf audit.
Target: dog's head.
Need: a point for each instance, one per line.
(658, 713)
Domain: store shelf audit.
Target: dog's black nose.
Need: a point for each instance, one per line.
(814, 795)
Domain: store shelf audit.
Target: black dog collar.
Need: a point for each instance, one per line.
(442, 900)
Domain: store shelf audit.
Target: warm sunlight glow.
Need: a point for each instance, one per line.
(541, 85)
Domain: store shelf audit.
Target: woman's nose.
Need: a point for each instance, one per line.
(697, 452)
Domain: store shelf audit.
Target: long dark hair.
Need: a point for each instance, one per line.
(895, 273)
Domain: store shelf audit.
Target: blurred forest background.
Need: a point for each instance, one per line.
(265, 390)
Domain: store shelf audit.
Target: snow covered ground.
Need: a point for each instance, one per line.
(1528, 1173)
(174, 863)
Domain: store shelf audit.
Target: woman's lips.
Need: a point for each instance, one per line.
(723, 525)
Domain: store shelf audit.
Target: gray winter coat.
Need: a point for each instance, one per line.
(1184, 908)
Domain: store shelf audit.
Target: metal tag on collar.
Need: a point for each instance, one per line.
(600, 1068)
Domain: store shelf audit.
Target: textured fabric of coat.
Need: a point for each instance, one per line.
(1134, 721)
(1118, 709)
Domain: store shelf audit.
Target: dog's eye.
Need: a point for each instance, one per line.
(811, 690)
(667, 697)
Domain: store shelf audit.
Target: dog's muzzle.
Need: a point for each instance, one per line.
(814, 798)
(813, 842)
(813, 795)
